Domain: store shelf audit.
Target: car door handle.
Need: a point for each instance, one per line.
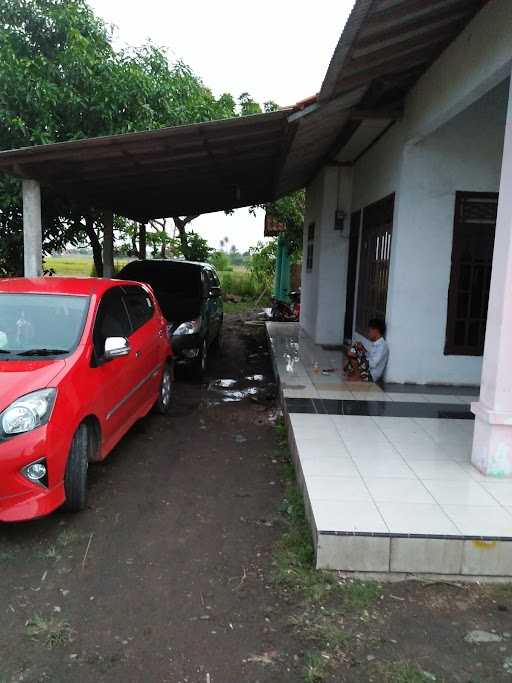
(138, 354)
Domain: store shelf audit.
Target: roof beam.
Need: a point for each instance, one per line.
(402, 51)
(385, 69)
(460, 9)
(408, 8)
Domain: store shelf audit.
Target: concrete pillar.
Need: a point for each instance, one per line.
(142, 241)
(332, 246)
(32, 229)
(108, 243)
(492, 442)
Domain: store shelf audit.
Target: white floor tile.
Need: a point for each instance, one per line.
(335, 394)
(329, 467)
(321, 448)
(385, 468)
(370, 396)
(395, 490)
(416, 518)
(358, 424)
(501, 490)
(468, 492)
(337, 488)
(439, 469)
(374, 445)
(473, 520)
(362, 516)
(421, 451)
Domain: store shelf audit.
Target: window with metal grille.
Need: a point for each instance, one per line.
(310, 246)
(372, 291)
(470, 278)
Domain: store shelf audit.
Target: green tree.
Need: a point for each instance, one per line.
(263, 263)
(289, 211)
(197, 248)
(220, 261)
(62, 79)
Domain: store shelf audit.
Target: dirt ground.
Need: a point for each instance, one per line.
(169, 575)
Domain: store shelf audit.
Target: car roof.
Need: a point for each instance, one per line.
(167, 262)
(85, 286)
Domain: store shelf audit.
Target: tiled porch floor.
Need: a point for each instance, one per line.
(386, 473)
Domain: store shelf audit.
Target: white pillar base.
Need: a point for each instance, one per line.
(492, 442)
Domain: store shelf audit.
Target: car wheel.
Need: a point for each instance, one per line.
(163, 402)
(75, 477)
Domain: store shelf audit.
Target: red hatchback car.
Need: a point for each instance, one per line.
(80, 361)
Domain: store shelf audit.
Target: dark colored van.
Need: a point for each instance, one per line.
(190, 297)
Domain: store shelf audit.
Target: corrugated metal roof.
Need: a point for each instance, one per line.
(197, 168)
(385, 47)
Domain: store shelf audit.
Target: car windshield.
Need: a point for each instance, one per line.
(40, 324)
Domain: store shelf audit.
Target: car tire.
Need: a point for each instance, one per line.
(163, 402)
(75, 477)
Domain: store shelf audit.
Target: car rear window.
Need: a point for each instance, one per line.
(178, 279)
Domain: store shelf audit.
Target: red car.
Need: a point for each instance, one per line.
(80, 361)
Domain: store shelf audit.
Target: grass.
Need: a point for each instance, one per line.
(7, 555)
(76, 265)
(324, 596)
(51, 553)
(241, 282)
(68, 537)
(53, 632)
(240, 306)
(317, 666)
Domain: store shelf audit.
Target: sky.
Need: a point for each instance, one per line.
(274, 49)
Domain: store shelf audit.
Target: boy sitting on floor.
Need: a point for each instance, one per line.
(367, 365)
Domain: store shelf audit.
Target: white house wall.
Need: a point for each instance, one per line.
(465, 154)
(324, 288)
(309, 279)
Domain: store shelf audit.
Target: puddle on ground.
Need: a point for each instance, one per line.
(222, 383)
(225, 390)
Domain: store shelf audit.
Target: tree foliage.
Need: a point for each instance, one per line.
(61, 79)
(289, 211)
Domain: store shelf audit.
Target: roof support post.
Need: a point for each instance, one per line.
(108, 243)
(492, 441)
(32, 229)
(142, 241)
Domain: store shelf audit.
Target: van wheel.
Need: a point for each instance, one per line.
(163, 402)
(75, 478)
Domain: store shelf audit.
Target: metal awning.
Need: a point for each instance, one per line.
(204, 167)
(176, 171)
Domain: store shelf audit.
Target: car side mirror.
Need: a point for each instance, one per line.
(115, 347)
(215, 291)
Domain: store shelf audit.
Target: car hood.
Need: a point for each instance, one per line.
(20, 377)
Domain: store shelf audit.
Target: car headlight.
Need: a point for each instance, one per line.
(190, 327)
(28, 412)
